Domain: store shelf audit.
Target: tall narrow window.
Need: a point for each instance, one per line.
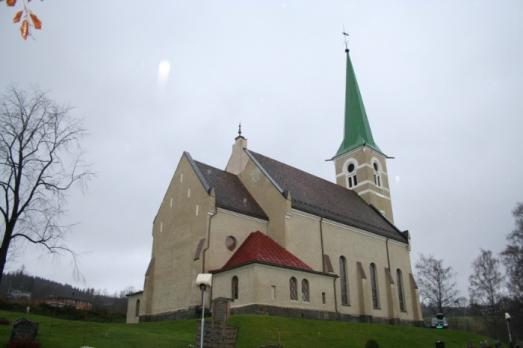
(343, 281)
(401, 294)
(234, 288)
(305, 297)
(137, 309)
(377, 177)
(293, 287)
(352, 179)
(374, 287)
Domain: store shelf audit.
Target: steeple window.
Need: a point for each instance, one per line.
(377, 176)
(352, 178)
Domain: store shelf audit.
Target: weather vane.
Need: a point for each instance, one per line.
(346, 37)
(240, 129)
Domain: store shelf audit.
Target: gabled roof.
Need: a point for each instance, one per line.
(231, 194)
(323, 198)
(259, 248)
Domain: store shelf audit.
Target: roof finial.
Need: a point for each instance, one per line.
(240, 136)
(346, 36)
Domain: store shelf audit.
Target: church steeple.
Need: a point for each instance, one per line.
(357, 129)
(360, 164)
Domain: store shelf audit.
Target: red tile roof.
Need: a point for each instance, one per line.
(260, 248)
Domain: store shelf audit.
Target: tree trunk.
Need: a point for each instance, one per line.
(5, 248)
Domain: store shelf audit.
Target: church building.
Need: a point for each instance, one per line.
(281, 241)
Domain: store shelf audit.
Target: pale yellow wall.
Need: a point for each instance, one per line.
(269, 198)
(400, 258)
(256, 282)
(176, 232)
(357, 245)
(378, 196)
(239, 158)
(227, 223)
(302, 238)
(131, 308)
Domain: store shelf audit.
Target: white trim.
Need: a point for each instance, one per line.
(362, 166)
(230, 212)
(363, 232)
(361, 147)
(373, 184)
(305, 214)
(354, 229)
(372, 191)
(347, 227)
(346, 164)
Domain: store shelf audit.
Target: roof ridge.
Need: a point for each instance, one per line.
(301, 170)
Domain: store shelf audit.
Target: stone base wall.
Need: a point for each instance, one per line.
(216, 335)
(194, 312)
(188, 313)
(315, 314)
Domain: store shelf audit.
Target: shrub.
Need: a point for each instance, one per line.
(372, 344)
(23, 344)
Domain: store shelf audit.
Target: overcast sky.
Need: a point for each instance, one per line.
(441, 82)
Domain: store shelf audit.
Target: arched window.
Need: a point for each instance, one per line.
(137, 309)
(374, 287)
(343, 281)
(377, 176)
(352, 178)
(234, 288)
(401, 294)
(293, 286)
(305, 290)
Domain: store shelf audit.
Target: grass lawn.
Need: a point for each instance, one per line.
(254, 331)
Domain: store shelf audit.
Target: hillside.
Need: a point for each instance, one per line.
(254, 331)
(39, 289)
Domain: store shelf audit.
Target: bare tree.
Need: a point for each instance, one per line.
(513, 255)
(486, 279)
(436, 282)
(40, 160)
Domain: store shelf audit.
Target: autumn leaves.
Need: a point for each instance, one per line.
(27, 18)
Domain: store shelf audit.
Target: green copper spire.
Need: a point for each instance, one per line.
(357, 129)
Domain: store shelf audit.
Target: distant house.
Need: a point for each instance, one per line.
(63, 302)
(19, 295)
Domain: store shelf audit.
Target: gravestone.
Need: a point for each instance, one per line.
(440, 344)
(24, 330)
(221, 310)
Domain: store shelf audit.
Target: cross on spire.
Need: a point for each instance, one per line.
(240, 132)
(346, 39)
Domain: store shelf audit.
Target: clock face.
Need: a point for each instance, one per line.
(230, 243)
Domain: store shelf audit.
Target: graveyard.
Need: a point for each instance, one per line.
(253, 331)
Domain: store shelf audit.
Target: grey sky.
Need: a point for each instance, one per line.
(441, 82)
